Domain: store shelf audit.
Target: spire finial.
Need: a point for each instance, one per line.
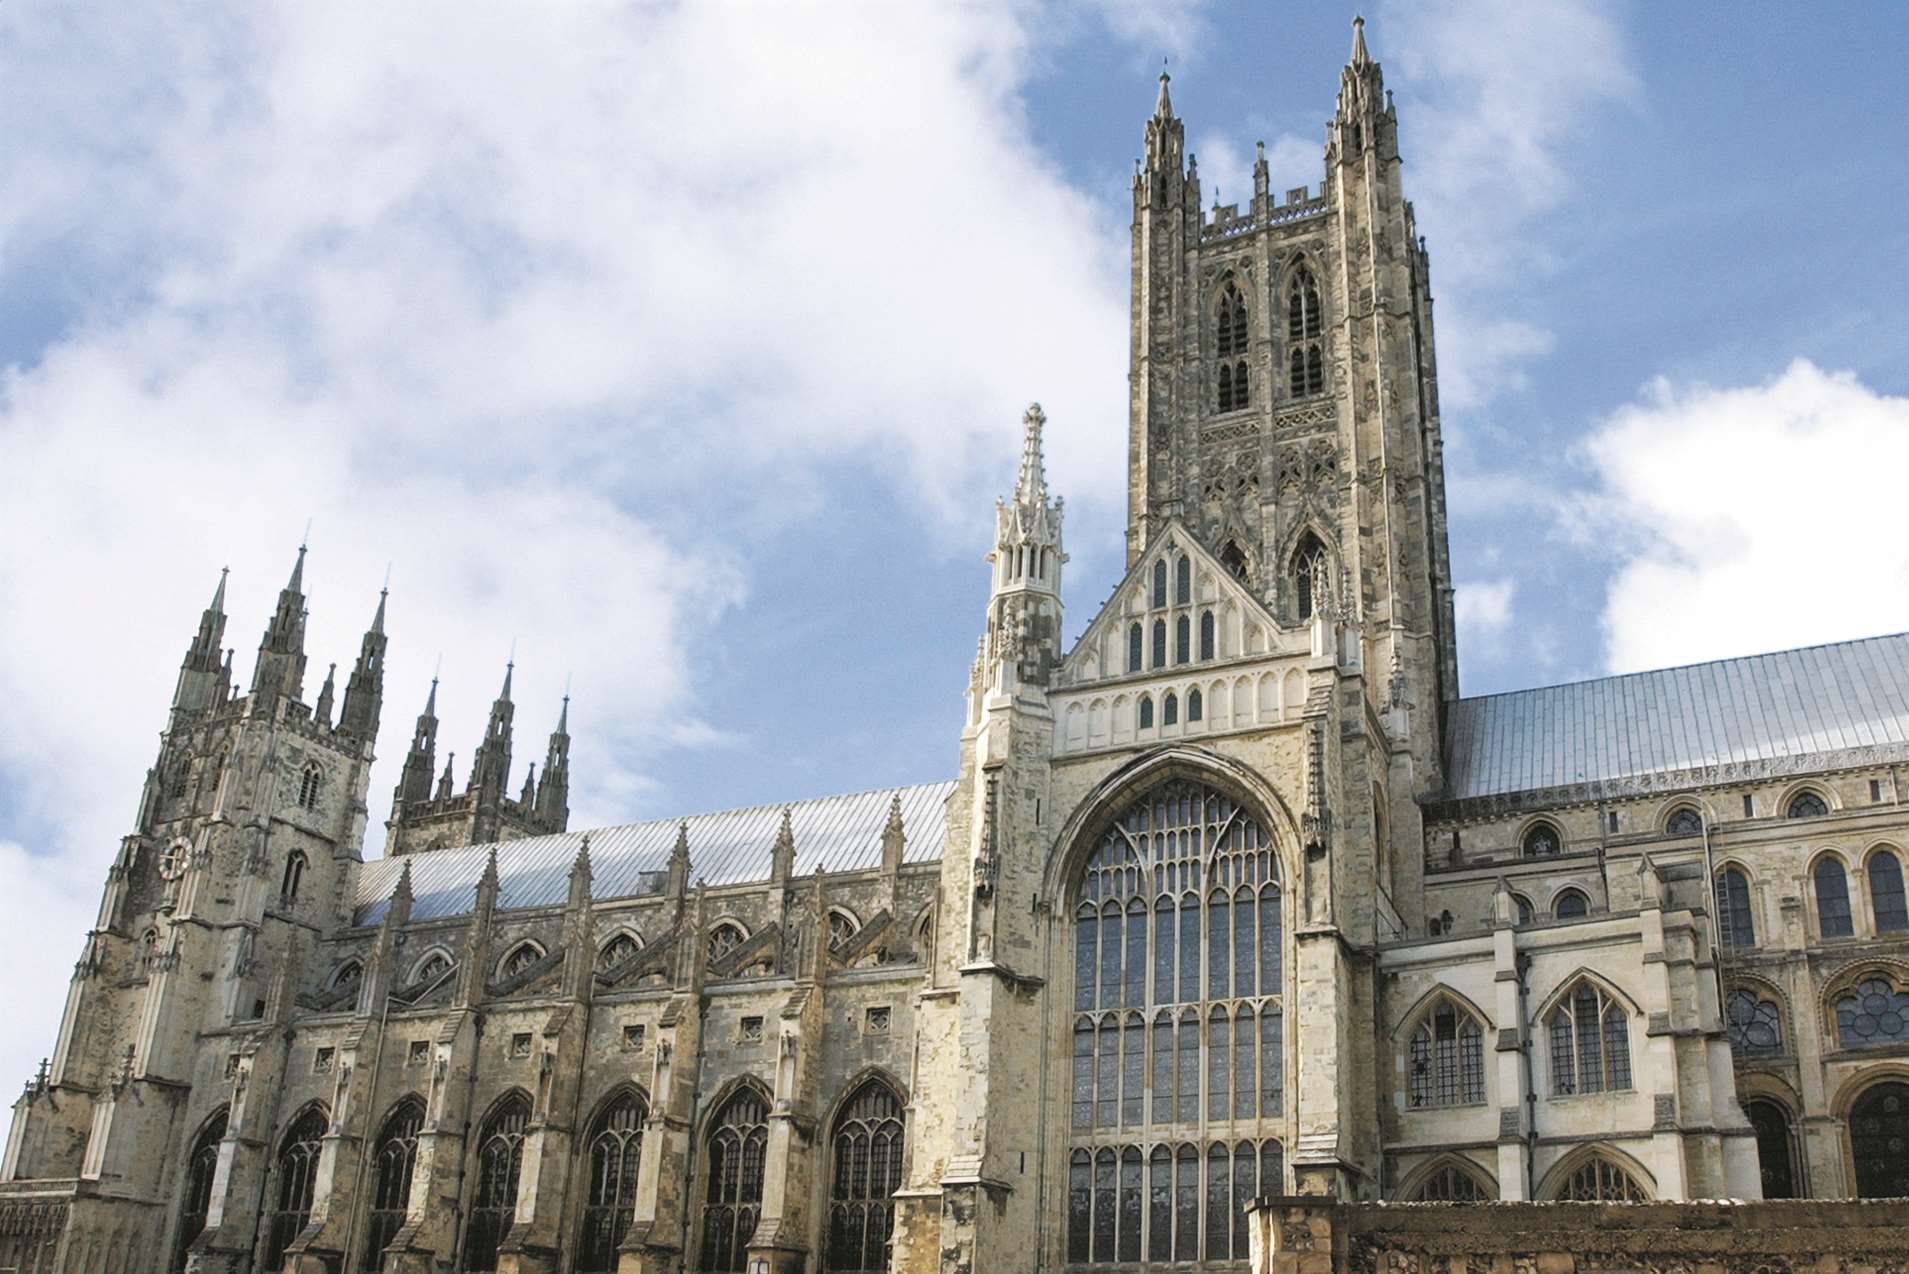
(218, 594)
(1163, 107)
(296, 584)
(1031, 488)
(1359, 55)
(510, 667)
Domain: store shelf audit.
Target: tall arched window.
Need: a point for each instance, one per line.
(1159, 643)
(1134, 654)
(1195, 706)
(297, 1172)
(1160, 582)
(617, 950)
(615, 1147)
(1590, 1043)
(1170, 709)
(867, 1147)
(1447, 1063)
(294, 877)
(1206, 634)
(500, 1161)
(738, 1143)
(1886, 903)
(396, 1156)
(201, 1165)
(1832, 898)
(1600, 1180)
(1735, 926)
(1310, 574)
(1146, 712)
(1305, 325)
(1874, 1014)
(1183, 581)
(1235, 386)
(1178, 975)
(308, 784)
(1878, 1129)
(1775, 1147)
(1755, 1025)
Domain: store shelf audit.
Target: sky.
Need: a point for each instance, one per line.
(682, 350)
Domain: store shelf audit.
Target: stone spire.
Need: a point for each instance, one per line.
(1031, 487)
(364, 693)
(200, 673)
(444, 788)
(1024, 610)
(1163, 105)
(528, 799)
(1361, 87)
(491, 769)
(280, 671)
(414, 780)
(553, 794)
(1166, 144)
(1360, 58)
(321, 711)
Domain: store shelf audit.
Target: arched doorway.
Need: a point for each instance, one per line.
(1879, 1141)
(1776, 1144)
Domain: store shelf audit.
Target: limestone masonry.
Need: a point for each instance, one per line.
(1235, 921)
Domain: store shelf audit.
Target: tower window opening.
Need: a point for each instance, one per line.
(308, 785)
(294, 876)
(1309, 575)
(1233, 558)
(1305, 327)
(1182, 640)
(1159, 643)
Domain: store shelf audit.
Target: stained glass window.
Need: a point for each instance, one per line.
(500, 1163)
(297, 1173)
(732, 1199)
(1447, 1064)
(201, 1165)
(397, 1155)
(1755, 1025)
(868, 1164)
(1873, 1015)
(615, 1147)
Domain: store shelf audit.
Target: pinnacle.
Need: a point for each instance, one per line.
(430, 701)
(1031, 488)
(218, 594)
(509, 668)
(1163, 108)
(297, 582)
(377, 620)
(1360, 58)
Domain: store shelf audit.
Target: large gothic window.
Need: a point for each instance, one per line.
(1599, 1180)
(1178, 1043)
(201, 1165)
(1878, 1130)
(738, 1145)
(397, 1155)
(1235, 385)
(1832, 898)
(615, 1148)
(1310, 574)
(500, 1161)
(1305, 326)
(1451, 1184)
(1447, 1063)
(866, 1146)
(297, 1172)
(1590, 1043)
(1737, 928)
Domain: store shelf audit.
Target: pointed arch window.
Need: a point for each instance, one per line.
(842, 928)
(433, 967)
(732, 1202)
(1159, 643)
(1178, 973)
(1160, 583)
(1447, 1063)
(723, 939)
(1806, 804)
(1305, 329)
(615, 1148)
(1146, 712)
(1755, 1024)
(1206, 635)
(1451, 1184)
(1590, 1043)
(1833, 915)
(1194, 705)
(521, 957)
(1873, 1015)
(1183, 581)
(294, 877)
(1599, 1180)
(1571, 905)
(309, 784)
(297, 1171)
(350, 973)
(1134, 653)
(1310, 574)
(867, 1149)
(1737, 928)
(396, 1158)
(1542, 841)
(618, 949)
(500, 1165)
(1183, 639)
(1230, 345)
(201, 1166)
(1886, 902)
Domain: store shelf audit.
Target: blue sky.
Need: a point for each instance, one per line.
(685, 347)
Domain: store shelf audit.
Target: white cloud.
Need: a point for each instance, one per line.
(553, 306)
(1484, 607)
(1491, 94)
(1752, 518)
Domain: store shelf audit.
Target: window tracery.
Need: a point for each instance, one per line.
(201, 1165)
(842, 928)
(1600, 1180)
(297, 1172)
(1451, 1184)
(616, 1152)
(1542, 841)
(1446, 1066)
(396, 1157)
(723, 939)
(1873, 1014)
(521, 957)
(738, 1145)
(1178, 978)
(867, 1145)
(1571, 905)
(1311, 574)
(617, 950)
(1806, 805)
(1235, 383)
(500, 1164)
(1755, 1024)
(431, 968)
(1590, 1043)
(1878, 1129)
(1684, 821)
(308, 784)
(1305, 325)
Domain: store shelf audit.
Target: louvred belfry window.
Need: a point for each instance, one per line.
(1232, 380)
(1305, 329)
(732, 1202)
(1178, 1072)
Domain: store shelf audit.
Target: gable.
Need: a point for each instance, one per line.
(1197, 585)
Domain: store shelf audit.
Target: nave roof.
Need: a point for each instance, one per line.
(1785, 710)
(732, 847)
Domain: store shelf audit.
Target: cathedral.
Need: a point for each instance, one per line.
(1631, 943)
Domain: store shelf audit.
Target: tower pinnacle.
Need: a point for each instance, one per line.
(1360, 58)
(1031, 489)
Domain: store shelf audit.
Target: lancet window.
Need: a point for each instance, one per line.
(1311, 575)
(1887, 904)
(500, 1162)
(615, 1148)
(1178, 1075)
(1305, 327)
(866, 1145)
(297, 1172)
(1234, 381)
(397, 1155)
(201, 1165)
(738, 1146)
(1832, 898)
(1734, 920)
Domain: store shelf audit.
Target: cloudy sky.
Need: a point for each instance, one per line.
(684, 347)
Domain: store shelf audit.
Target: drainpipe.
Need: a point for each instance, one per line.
(1523, 967)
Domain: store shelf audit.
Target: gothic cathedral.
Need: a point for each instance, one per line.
(1234, 905)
